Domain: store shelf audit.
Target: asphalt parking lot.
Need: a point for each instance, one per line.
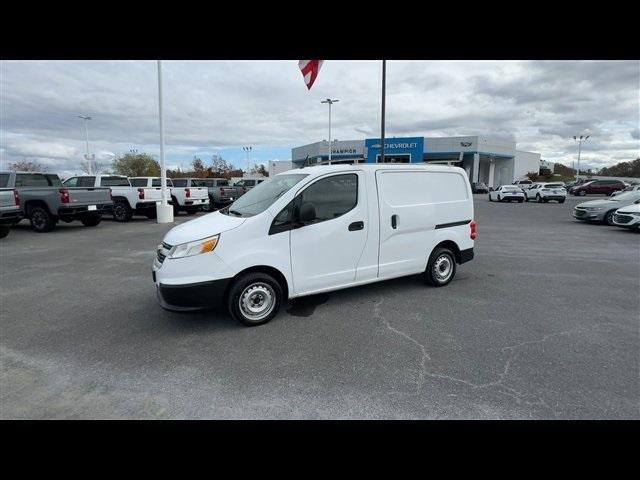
(542, 324)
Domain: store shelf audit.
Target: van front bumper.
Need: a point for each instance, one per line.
(194, 296)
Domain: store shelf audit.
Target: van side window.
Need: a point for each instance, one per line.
(332, 196)
(282, 221)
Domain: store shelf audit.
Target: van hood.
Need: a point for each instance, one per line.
(202, 227)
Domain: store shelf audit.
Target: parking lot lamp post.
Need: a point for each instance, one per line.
(330, 102)
(87, 156)
(579, 140)
(248, 152)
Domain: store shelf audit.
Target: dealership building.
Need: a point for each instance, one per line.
(485, 159)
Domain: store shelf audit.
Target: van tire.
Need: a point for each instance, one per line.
(176, 207)
(41, 220)
(242, 286)
(121, 211)
(91, 220)
(441, 260)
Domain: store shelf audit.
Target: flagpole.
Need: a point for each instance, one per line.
(384, 81)
(164, 211)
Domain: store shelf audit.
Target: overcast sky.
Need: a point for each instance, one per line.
(218, 107)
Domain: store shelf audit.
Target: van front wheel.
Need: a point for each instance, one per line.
(441, 267)
(254, 298)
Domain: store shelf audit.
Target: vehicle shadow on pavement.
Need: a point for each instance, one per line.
(213, 319)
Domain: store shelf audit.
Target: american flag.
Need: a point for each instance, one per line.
(310, 69)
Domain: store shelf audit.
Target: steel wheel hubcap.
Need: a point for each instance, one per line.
(257, 301)
(443, 268)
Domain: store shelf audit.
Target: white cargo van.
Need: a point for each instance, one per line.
(318, 229)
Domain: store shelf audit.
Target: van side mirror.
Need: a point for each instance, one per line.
(307, 212)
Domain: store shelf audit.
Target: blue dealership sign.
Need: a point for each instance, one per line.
(407, 147)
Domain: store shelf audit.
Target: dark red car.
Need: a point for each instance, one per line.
(603, 187)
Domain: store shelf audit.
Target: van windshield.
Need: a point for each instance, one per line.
(262, 196)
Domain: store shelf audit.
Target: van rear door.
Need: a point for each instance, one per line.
(411, 204)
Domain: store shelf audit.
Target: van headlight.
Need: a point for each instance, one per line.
(190, 249)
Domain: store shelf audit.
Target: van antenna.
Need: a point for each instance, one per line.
(306, 160)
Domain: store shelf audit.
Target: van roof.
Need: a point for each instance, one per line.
(317, 170)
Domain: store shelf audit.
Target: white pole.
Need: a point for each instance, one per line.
(86, 132)
(330, 132)
(163, 172)
(165, 211)
(579, 148)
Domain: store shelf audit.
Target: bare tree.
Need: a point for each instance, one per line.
(220, 165)
(96, 167)
(27, 166)
(259, 170)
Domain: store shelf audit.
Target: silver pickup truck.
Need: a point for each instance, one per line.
(9, 208)
(44, 201)
(221, 192)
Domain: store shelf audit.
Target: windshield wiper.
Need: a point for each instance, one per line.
(235, 212)
(281, 192)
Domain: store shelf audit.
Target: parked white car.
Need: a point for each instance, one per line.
(127, 199)
(630, 188)
(318, 229)
(543, 192)
(628, 217)
(507, 193)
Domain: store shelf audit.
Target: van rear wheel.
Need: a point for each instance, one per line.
(254, 298)
(441, 267)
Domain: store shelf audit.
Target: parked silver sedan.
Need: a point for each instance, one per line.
(603, 210)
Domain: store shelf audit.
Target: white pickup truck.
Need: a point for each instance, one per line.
(184, 196)
(9, 209)
(127, 200)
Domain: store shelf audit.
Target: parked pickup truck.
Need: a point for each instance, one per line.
(188, 196)
(44, 201)
(221, 192)
(247, 184)
(183, 194)
(127, 200)
(9, 207)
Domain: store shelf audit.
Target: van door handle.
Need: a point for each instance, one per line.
(356, 226)
(394, 221)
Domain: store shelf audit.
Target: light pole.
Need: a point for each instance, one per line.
(579, 140)
(248, 151)
(330, 102)
(87, 157)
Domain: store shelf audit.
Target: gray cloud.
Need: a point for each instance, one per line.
(220, 106)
